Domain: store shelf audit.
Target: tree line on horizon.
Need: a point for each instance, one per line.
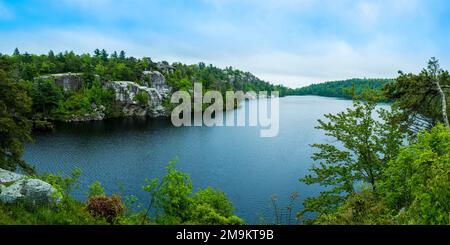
(342, 88)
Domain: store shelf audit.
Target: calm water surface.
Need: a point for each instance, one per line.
(249, 169)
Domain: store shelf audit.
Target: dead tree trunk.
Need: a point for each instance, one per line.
(443, 103)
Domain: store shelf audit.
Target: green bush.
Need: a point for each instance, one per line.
(96, 189)
(141, 98)
(361, 208)
(173, 201)
(80, 102)
(417, 184)
(415, 188)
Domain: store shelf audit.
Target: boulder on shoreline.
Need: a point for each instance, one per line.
(16, 188)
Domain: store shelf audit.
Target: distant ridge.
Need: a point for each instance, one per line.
(339, 88)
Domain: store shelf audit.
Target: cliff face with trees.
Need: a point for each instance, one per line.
(71, 87)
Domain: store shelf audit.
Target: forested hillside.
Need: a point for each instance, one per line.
(341, 88)
(119, 67)
(90, 85)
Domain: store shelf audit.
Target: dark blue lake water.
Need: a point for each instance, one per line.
(249, 169)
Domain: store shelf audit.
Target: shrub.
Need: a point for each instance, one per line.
(96, 189)
(205, 214)
(108, 208)
(141, 98)
(359, 208)
(417, 185)
(174, 202)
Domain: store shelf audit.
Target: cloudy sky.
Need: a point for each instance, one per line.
(293, 42)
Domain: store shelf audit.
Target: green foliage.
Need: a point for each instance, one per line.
(214, 78)
(173, 201)
(96, 189)
(214, 198)
(64, 184)
(141, 98)
(76, 104)
(71, 213)
(99, 95)
(411, 184)
(171, 197)
(121, 72)
(365, 147)
(210, 206)
(418, 97)
(342, 89)
(81, 102)
(15, 127)
(417, 182)
(361, 208)
(415, 187)
(46, 96)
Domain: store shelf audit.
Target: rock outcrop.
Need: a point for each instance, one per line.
(67, 81)
(21, 188)
(153, 84)
(156, 80)
(126, 92)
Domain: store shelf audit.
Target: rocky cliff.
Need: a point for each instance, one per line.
(153, 85)
(126, 94)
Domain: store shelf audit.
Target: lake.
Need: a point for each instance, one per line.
(249, 169)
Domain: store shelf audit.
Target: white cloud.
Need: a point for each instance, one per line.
(294, 42)
(324, 60)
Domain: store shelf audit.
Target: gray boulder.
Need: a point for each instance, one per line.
(8, 176)
(20, 188)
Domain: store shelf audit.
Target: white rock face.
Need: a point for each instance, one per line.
(126, 92)
(17, 187)
(156, 80)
